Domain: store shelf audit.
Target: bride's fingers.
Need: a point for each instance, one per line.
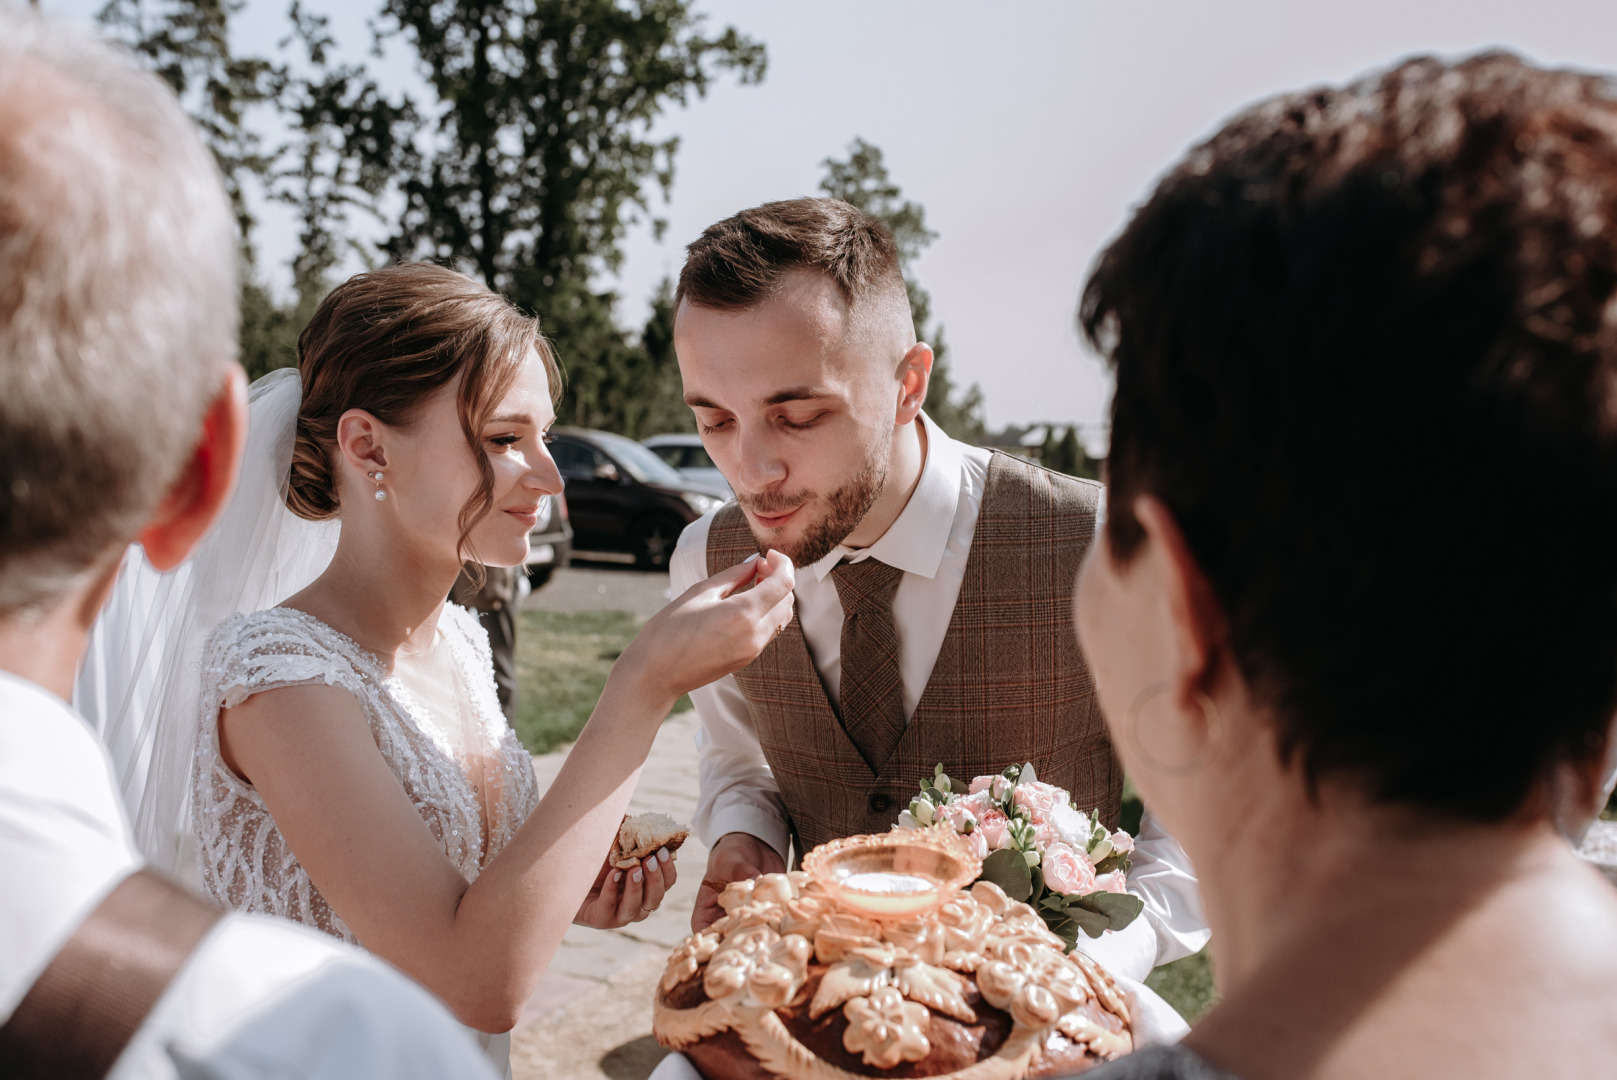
(632, 898)
(656, 885)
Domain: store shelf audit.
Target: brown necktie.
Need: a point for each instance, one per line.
(872, 690)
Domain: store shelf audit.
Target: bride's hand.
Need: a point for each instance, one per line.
(717, 627)
(621, 897)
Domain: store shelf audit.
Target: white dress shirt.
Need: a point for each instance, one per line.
(930, 541)
(259, 997)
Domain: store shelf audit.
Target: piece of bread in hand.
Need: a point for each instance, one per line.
(642, 835)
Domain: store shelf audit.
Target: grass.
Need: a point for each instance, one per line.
(1186, 984)
(563, 660)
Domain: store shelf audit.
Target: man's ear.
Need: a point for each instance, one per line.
(1194, 615)
(203, 490)
(914, 376)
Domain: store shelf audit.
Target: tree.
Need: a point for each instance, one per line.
(187, 43)
(863, 181)
(1067, 454)
(541, 156)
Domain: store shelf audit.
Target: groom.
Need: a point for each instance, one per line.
(934, 583)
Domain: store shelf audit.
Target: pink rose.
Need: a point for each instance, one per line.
(995, 829)
(1039, 799)
(1066, 871)
(994, 785)
(978, 804)
(1044, 834)
(1111, 882)
(956, 815)
(1122, 843)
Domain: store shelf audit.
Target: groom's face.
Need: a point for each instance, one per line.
(797, 408)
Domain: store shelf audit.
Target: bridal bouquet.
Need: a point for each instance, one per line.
(1037, 846)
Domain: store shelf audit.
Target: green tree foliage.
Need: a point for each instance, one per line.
(863, 181)
(187, 43)
(542, 155)
(1067, 455)
(524, 169)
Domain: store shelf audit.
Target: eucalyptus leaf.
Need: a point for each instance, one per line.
(1007, 869)
(1118, 909)
(1092, 923)
(960, 786)
(1113, 862)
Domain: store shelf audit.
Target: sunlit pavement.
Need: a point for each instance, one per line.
(591, 1015)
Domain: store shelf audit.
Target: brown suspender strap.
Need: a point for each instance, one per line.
(87, 1004)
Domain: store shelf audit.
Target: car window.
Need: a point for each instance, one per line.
(573, 459)
(670, 454)
(640, 463)
(695, 457)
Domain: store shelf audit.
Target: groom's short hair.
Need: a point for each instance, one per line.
(744, 260)
(117, 302)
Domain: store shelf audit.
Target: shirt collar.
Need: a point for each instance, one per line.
(916, 541)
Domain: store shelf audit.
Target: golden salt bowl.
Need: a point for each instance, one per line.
(895, 875)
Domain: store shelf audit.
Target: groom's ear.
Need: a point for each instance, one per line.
(203, 489)
(914, 375)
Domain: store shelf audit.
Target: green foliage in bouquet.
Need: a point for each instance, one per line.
(1017, 868)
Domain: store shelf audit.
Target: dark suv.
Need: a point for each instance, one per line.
(622, 497)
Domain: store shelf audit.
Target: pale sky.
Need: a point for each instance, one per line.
(1027, 130)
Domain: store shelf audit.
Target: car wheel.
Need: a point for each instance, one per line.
(652, 540)
(539, 576)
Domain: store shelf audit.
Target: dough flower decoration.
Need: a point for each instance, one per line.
(757, 969)
(790, 963)
(886, 1029)
(863, 971)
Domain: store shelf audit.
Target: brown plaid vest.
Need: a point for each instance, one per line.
(1009, 685)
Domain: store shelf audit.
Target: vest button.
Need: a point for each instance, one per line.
(880, 804)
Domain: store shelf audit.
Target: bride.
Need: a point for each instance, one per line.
(352, 769)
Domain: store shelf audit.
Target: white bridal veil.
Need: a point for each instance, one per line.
(141, 676)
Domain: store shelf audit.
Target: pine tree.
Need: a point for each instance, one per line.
(863, 181)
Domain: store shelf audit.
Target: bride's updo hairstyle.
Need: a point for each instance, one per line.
(385, 341)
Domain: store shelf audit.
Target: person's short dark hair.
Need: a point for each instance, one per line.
(741, 262)
(1365, 344)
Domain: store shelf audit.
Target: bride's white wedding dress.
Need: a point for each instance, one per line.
(436, 721)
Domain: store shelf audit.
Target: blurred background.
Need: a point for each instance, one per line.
(565, 151)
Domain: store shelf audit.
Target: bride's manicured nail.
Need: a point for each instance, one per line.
(636, 876)
(662, 855)
(750, 558)
(617, 876)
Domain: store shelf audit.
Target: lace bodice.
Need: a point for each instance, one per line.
(246, 865)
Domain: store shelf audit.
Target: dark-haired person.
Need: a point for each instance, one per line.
(1354, 618)
(121, 418)
(933, 578)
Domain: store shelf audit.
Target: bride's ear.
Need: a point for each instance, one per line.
(203, 489)
(360, 438)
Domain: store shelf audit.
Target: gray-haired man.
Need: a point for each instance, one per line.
(122, 414)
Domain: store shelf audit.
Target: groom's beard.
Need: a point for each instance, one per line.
(843, 510)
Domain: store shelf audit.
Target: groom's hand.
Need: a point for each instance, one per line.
(736, 857)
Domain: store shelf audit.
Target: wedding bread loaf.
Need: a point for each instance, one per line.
(642, 835)
(793, 982)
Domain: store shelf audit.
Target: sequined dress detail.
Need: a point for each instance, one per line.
(246, 864)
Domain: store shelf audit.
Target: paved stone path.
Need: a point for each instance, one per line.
(591, 1015)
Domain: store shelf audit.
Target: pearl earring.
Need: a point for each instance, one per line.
(381, 496)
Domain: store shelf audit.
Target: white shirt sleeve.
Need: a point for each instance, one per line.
(737, 789)
(264, 998)
(1162, 876)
